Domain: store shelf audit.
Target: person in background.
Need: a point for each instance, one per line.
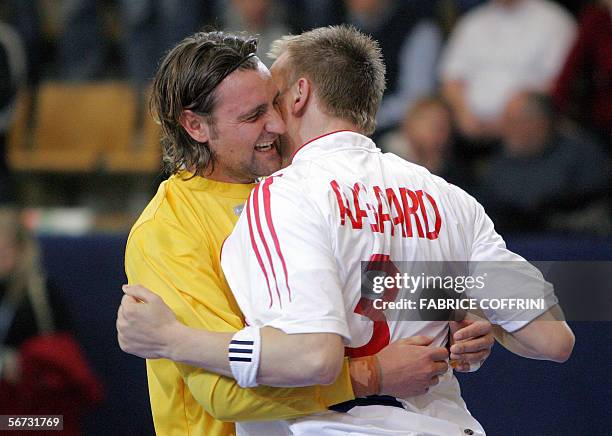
(82, 43)
(148, 28)
(151, 27)
(25, 17)
(426, 138)
(42, 369)
(496, 50)
(13, 74)
(410, 41)
(264, 18)
(541, 170)
(589, 64)
(308, 14)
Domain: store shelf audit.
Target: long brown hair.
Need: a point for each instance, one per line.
(187, 79)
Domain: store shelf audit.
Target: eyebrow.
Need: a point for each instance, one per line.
(257, 110)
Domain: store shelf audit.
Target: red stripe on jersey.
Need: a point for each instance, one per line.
(268, 211)
(254, 244)
(263, 238)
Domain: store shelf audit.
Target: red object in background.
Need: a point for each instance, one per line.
(55, 380)
(592, 54)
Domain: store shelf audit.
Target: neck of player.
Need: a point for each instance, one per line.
(314, 125)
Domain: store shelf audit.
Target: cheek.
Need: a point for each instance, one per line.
(246, 136)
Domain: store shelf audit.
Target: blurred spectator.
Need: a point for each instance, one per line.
(541, 171)
(465, 5)
(151, 27)
(13, 74)
(498, 49)
(25, 17)
(308, 14)
(148, 28)
(588, 72)
(42, 370)
(574, 6)
(82, 45)
(264, 18)
(410, 43)
(450, 10)
(426, 138)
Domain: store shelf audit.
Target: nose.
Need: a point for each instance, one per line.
(275, 123)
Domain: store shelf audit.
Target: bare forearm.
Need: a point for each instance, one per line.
(199, 348)
(299, 359)
(511, 344)
(286, 360)
(545, 338)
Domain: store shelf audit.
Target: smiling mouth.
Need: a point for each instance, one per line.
(266, 146)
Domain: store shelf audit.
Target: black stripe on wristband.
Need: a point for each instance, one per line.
(242, 342)
(240, 359)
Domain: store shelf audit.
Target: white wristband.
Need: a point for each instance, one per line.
(243, 353)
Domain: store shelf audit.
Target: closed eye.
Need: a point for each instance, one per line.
(253, 115)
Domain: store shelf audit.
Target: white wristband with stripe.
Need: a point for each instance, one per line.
(243, 354)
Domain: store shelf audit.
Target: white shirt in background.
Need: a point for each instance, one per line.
(498, 50)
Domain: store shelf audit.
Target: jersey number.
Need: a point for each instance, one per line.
(380, 332)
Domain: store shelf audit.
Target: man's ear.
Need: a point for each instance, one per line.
(301, 95)
(195, 125)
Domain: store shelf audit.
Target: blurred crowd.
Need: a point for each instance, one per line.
(509, 99)
(43, 370)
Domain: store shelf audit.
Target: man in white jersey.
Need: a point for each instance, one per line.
(294, 258)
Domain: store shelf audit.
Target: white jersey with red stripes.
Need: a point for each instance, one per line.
(294, 263)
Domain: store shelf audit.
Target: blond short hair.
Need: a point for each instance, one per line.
(345, 67)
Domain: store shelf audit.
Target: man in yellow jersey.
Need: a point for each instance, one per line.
(215, 103)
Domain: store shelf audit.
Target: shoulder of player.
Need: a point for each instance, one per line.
(161, 221)
(150, 211)
(416, 171)
(448, 192)
(159, 225)
(292, 179)
(162, 238)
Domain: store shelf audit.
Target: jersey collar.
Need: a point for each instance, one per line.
(333, 141)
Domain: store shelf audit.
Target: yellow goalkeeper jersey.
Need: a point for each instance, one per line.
(173, 249)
